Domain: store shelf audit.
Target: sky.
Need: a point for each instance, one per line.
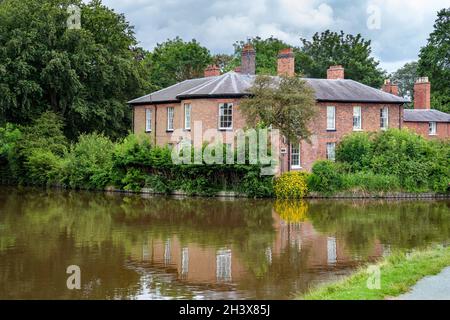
(397, 28)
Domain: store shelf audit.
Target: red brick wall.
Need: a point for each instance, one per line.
(206, 110)
(442, 129)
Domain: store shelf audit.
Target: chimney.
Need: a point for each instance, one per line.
(212, 71)
(248, 65)
(390, 87)
(335, 72)
(286, 63)
(422, 93)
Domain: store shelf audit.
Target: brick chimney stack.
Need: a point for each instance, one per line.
(248, 64)
(335, 72)
(286, 62)
(212, 71)
(422, 93)
(390, 87)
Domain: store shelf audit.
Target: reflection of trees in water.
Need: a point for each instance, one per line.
(401, 224)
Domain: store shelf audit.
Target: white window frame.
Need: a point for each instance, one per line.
(331, 118)
(432, 128)
(384, 118)
(221, 108)
(148, 120)
(187, 116)
(331, 155)
(297, 165)
(170, 118)
(357, 114)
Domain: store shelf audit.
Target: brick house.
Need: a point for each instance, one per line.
(427, 122)
(345, 106)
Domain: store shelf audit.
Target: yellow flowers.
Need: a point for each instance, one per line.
(291, 185)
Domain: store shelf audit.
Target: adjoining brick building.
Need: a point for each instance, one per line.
(344, 106)
(427, 122)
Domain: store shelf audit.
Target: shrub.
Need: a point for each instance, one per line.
(255, 185)
(158, 183)
(355, 150)
(291, 185)
(89, 163)
(43, 167)
(325, 177)
(368, 181)
(134, 180)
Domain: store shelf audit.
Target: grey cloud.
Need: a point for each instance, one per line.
(405, 25)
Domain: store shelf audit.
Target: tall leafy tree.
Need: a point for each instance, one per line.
(285, 103)
(176, 60)
(266, 54)
(434, 61)
(405, 77)
(331, 48)
(85, 75)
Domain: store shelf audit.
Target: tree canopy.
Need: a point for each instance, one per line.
(266, 54)
(331, 48)
(434, 61)
(85, 75)
(176, 60)
(405, 77)
(287, 104)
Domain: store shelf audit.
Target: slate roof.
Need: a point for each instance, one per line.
(232, 84)
(430, 115)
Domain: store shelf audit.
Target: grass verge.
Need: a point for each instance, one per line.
(399, 272)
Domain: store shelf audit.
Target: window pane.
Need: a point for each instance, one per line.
(170, 118)
(331, 151)
(223, 265)
(295, 155)
(357, 118)
(225, 116)
(187, 116)
(331, 118)
(148, 120)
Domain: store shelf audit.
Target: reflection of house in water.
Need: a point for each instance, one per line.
(296, 245)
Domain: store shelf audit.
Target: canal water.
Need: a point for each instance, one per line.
(135, 247)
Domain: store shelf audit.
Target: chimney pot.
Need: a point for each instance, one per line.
(248, 64)
(212, 71)
(286, 62)
(335, 72)
(422, 93)
(390, 87)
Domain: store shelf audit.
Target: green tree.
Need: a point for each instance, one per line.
(176, 60)
(225, 62)
(266, 54)
(331, 48)
(434, 61)
(287, 104)
(86, 75)
(405, 77)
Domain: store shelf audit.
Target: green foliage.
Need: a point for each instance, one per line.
(266, 54)
(405, 77)
(287, 105)
(43, 167)
(370, 182)
(291, 185)
(85, 75)
(325, 177)
(176, 60)
(331, 48)
(418, 164)
(255, 185)
(434, 61)
(89, 163)
(356, 150)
